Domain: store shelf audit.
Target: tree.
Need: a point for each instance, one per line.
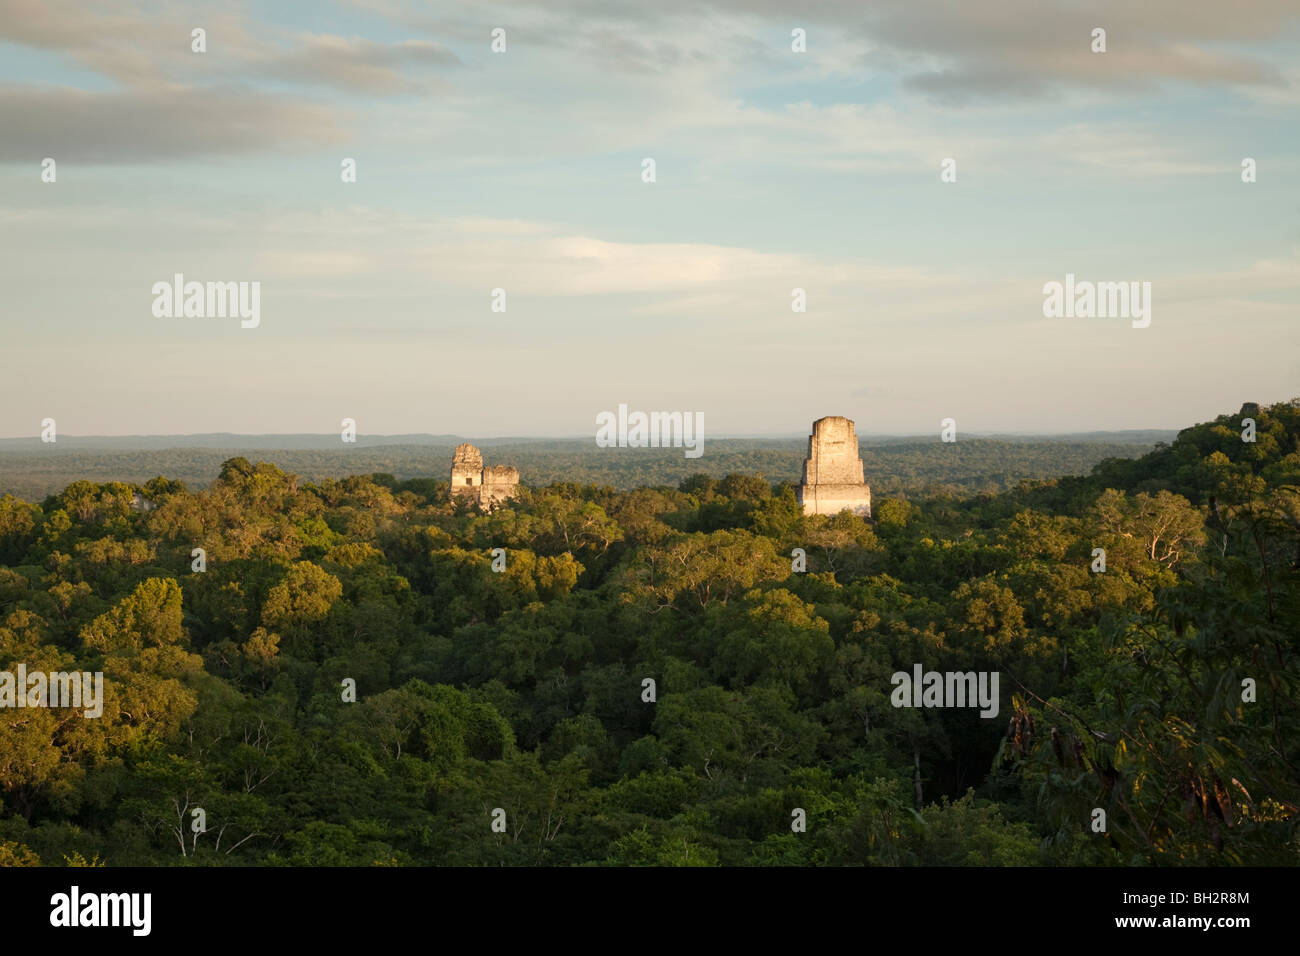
(1165, 525)
(699, 569)
(772, 636)
(303, 598)
(150, 617)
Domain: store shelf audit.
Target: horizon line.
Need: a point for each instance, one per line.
(333, 435)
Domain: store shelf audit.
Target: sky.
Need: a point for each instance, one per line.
(523, 170)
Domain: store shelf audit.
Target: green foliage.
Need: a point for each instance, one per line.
(648, 681)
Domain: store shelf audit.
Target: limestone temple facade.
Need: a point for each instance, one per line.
(486, 487)
(832, 474)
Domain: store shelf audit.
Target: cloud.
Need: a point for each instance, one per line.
(172, 102)
(355, 64)
(1128, 149)
(952, 50)
(384, 253)
(122, 41)
(139, 126)
(1006, 49)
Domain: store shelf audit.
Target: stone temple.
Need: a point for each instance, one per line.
(486, 487)
(832, 473)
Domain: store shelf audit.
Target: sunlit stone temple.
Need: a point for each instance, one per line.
(832, 473)
(486, 487)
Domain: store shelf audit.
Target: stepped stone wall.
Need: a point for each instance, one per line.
(832, 474)
(486, 487)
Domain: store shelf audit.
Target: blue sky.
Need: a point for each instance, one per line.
(522, 170)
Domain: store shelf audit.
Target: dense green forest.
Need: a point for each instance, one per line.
(31, 470)
(1160, 690)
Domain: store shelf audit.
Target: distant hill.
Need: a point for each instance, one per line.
(331, 442)
(893, 465)
(227, 440)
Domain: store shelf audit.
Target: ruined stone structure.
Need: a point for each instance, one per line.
(832, 473)
(486, 487)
